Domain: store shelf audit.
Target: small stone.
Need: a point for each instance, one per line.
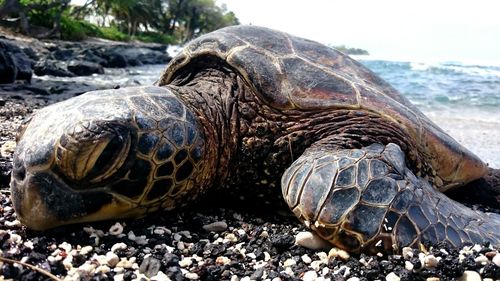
(353, 279)
(477, 248)
(177, 237)
(311, 241)
(267, 256)
(470, 275)
(433, 279)
(112, 259)
(430, 261)
(222, 260)
(490, 254)
(306, 259)
(185, 262)
(160, 277)
(86, 249)
(162, 231)
(231, 237)
(392, 277)
(191, 276)
(7, 149)
(13, 223)
(496, 259)
(407, 253)
(338, 253)
(87, 268)
(118, 246)
(218, 226)
(64, 245)
(116, 229)
(102, 269)
(289, 262)
(408, 266)
(126, 263)
(150, 266)
(482, 260)
(310, 276)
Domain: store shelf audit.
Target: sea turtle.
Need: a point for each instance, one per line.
(246, 106)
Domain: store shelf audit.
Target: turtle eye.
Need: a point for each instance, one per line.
(92, 157)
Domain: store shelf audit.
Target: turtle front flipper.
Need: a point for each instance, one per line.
(368, 200)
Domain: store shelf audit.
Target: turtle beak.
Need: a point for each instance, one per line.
(30, 207)
(43, 201)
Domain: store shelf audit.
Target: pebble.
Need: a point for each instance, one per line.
(127, 263)
(311, 241)
(496, 259)
(409, 266)
(7, 148)
(185, 262)
(116, 229)
(306, 259)
(191, 276)
(112, 259)
(231, 237)
(470, 275)
(87, 249)
(407, 253)
(118, 246)
(218, 226)
(310, 276)
(338, 253)
(160, 277)
(102, 269)
(353, 279)
(222, 260)
(482, 260)
(289, 262)
(433, 279)
(392, 277)
(430, 261)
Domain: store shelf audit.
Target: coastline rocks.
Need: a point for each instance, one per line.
(14, 64)
(84, 68)
(19, 59)
(52, 67)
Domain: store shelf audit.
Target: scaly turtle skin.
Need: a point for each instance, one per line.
(243, 107)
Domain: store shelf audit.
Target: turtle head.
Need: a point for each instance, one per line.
(105, 154)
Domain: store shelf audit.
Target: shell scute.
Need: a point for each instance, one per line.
(313, 87)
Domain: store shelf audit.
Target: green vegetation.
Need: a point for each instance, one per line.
(350, 51)
(163, 21)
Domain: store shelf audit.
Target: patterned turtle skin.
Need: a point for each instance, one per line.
(250, 107)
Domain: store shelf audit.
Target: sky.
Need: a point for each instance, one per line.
(441, 30)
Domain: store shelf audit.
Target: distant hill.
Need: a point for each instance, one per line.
(350, 51)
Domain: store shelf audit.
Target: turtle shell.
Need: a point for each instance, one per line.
(289, 72)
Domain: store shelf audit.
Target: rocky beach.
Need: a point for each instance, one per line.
(230, 239)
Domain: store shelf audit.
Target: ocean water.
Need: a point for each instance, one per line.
(452, 89)
(462, 98)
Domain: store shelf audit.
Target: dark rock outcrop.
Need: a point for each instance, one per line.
(84, 68)
(52, 67)
(14, 63)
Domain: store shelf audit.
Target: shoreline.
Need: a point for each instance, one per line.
(480, 137)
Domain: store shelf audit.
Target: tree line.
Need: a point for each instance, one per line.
(166, 21)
